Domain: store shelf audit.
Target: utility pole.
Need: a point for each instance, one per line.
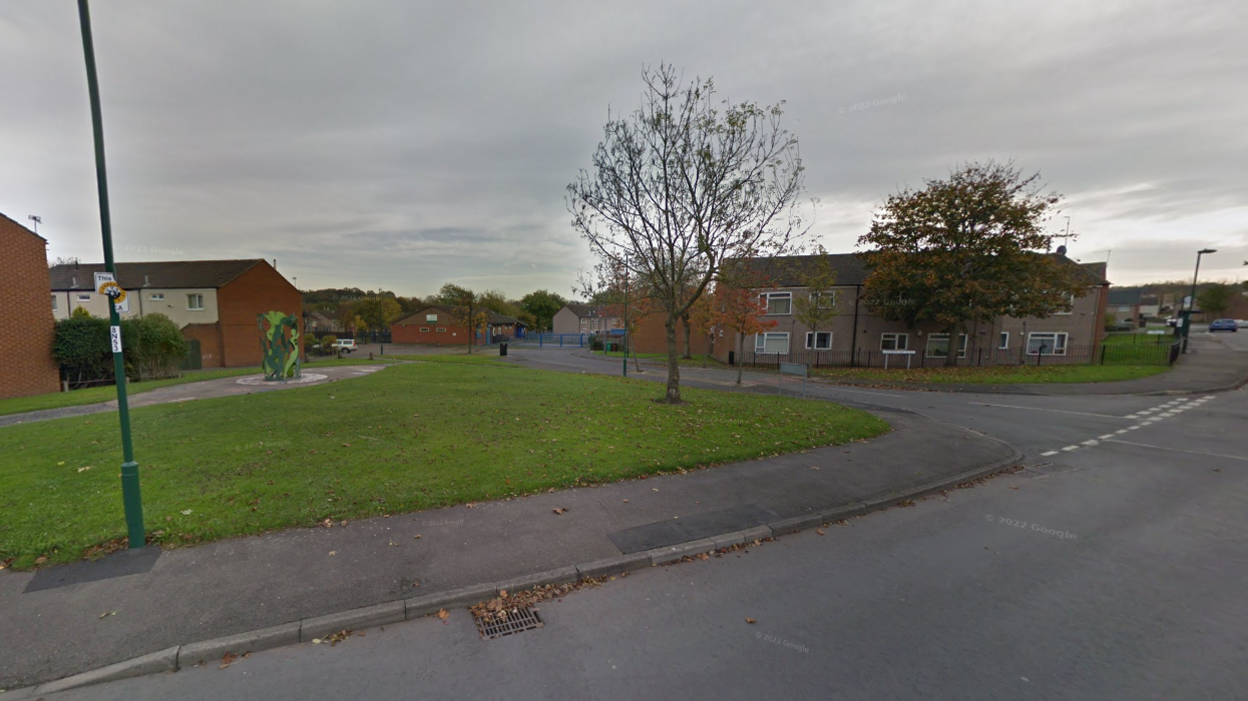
(624, 348)
(129, 468)
(1191, 301)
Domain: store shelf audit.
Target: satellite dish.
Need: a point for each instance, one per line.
(1061, 250)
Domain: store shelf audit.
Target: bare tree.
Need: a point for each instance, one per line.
(683, 184)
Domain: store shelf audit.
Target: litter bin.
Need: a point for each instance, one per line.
(502, 349)
(732, 357)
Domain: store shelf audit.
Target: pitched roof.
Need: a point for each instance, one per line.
(586, 310)
(159, 274)
(22, 226)
(495, 317)
(851, 269)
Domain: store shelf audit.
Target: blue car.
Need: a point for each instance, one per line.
(1223, 325)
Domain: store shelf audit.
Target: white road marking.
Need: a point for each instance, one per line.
(1070, 448)
(1047, 454)
(1121, 430)
(1180, 450)
(1092, 441)
(1107, 435)
(1051, 411)
(1132, 428)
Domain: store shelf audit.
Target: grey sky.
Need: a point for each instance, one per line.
(401, 145)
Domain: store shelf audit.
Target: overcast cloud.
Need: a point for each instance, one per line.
(400, 145)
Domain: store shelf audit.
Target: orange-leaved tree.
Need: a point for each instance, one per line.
(737, 308)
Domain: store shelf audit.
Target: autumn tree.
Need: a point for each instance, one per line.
(966, 249)
(621, 296)
(818, 307)
(682, 184)
(1215, 299)
(736, 306)
(543, 305)
(703, 319)
(378, 313)
(466, 309)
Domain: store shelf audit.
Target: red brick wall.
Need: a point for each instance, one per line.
(26, 324)
(209, 337)
(410, 332)
(259, 290)
(650, 336)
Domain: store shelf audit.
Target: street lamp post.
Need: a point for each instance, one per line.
(1191, 301)
(131, 497)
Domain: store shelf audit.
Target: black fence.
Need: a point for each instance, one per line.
(1104, 354)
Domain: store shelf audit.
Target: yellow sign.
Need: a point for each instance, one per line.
(112, 289)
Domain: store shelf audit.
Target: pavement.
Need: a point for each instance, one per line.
(1113, 571)
(67, 619)
(207, 389)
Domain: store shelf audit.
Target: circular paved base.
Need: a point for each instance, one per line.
(308, 377)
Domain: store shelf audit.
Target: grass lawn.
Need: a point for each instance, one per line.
(95, 395)
(999, 374)
(695, 361)
(415, 436)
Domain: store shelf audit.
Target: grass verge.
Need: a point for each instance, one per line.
(997, 375)
(415, 436)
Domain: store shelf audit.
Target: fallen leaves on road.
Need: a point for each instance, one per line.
(106, 614)
(560, 511)
(509, 603)
(750, 620)
(443, 614)
(820, 531)
(333, 639)
(416, 537)
(333, 552)
(393, 543)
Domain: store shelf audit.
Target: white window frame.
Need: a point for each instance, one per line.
(816, 296)
(813, 336)
(424, 329)
(157, 296)
(1003, 340)
(54, 304)
(766, 298)
(84, 296)
(760, 342)
(962, 342)
(440, 329)
(1058, 347)
(903, 338)
(431, 317)
(191, 298)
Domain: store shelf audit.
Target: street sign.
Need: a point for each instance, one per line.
(1156, 332)
(114, 334)
(106, 284)
(907, 353)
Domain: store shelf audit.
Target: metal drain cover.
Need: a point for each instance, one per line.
(517, 621)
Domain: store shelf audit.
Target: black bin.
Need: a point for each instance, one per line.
(502, 349)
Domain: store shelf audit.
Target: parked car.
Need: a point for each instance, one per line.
(1242, 323)
(1223, 325)
(345, 345)
(1172, 321)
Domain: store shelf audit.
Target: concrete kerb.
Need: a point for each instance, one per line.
(188, 655)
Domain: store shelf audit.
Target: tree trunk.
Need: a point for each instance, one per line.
(951, 357)
(740, 358)
(673, 365)
(688, 336)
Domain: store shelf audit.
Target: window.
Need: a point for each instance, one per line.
(1046, 343)
(1071, 301)
(84, 297)
(771, 342)
(894, 341)
(53, 302)
(157, 297)
(424, 329)
(819, 340)
(195, 303)
(431, 317)
(823, 300)
(1004, 342)
(441, 329)
(938, 345)
(779, 303)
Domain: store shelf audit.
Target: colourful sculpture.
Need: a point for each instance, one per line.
(280, 342)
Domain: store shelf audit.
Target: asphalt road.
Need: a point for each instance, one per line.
(1113, 567)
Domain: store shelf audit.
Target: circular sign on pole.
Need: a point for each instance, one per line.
(112, 289)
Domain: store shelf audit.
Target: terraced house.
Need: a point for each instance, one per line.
(215, 302)
(858, 336)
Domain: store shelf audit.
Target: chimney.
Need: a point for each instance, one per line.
(146, 281)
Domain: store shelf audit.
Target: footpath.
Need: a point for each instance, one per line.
(149, 610)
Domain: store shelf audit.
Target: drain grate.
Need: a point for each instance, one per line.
(517, 621)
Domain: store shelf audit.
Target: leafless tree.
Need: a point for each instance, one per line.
(681, 185)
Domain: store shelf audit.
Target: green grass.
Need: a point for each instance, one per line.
(414, 436)
(95, 395)
(999, 374)
(1138, 339)
(695, 361)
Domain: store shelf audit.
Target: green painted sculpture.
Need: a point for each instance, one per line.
(280, 342)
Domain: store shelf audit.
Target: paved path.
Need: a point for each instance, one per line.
(1124, 581)
(207, 389)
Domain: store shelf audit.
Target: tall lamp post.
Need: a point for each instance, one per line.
(1191, 301)
(130, 495)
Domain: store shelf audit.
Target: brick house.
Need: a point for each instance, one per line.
(434, 326)
(215, 302)
(585, 318)
(856, 335)
(27, 327)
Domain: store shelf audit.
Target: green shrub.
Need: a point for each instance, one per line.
(160, 348)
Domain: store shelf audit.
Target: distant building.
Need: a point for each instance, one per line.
(27, 327)
(585, 318)
(435, 325)
(214, 302)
